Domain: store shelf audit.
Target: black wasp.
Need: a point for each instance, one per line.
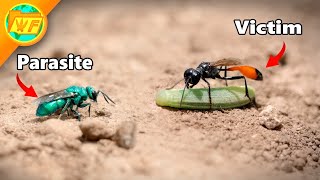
(212, 70)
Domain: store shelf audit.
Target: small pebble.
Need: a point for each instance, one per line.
(315, 157)
(286, 167)
(314, 165)
(299, 163)
(268, 156)
(60, 128)
(282, 147)
(286, 152)
(93, 130)
(301, 154)
(314, 147)
(125, 135)
(269, 118)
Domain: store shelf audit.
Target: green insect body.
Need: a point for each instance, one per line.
(222, 98)
(49, 108)
(66, 99)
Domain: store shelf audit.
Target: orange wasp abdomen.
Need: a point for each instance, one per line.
(248, 71)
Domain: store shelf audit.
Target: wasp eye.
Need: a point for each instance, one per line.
(94, 95)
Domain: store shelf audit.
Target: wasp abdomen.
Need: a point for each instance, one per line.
(49, 108)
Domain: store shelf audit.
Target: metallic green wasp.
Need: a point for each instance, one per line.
(66, 99)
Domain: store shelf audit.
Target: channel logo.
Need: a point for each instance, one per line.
(25, 24)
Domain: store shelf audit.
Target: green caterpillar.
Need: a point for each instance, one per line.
(222, 98)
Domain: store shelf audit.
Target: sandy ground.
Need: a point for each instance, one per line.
(140, 48)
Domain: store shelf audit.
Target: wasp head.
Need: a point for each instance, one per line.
(92, 93)
(191, 76)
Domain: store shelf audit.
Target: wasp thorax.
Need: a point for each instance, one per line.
(204, 65)
(192, 76)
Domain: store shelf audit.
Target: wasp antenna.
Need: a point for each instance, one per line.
(102, 95)
(107, 97)
(175, 84)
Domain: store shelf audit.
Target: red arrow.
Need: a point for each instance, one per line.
(28, 91)
(274, 60)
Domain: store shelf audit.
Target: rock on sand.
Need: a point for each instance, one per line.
(268, 118)
(93, 130)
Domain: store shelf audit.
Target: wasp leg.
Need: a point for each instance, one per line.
(77, 114)
(220, 109)
(85, 105)
(225, 73)
(65, 108)
(209, 91)
(185, 86)
(239, 77)
(183, 94)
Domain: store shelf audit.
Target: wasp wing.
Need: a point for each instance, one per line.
(225, 62)
(54, 96)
